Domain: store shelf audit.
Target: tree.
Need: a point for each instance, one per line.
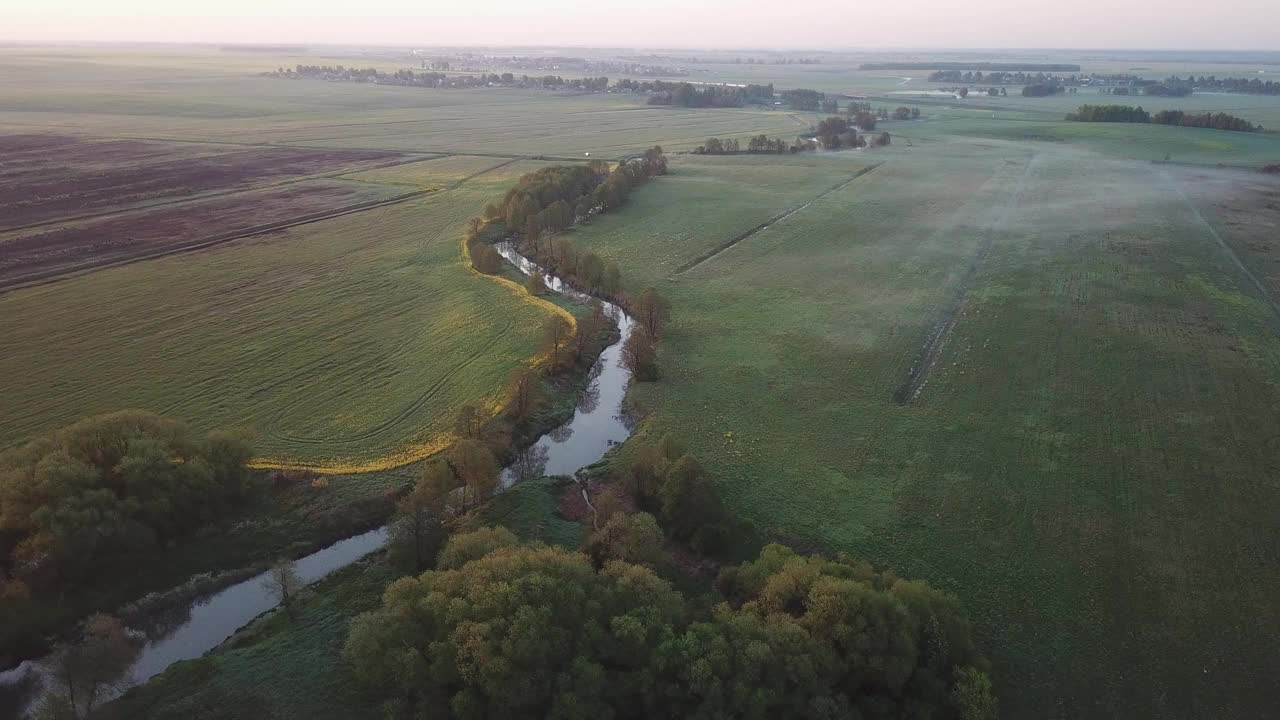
(964, 92)
(518, 632)
(477, 470)
(91, 669)
(882, 139)
(470, 423)
(536, 283)
(590, 271)
(484, 258)
(639, 355)
(611, 281)
(589, 327)
(652, 311)
(525, 391)
(533, 231)
(634, 538)
(283, 582)
(556, 336)
(902, 113)
(77, 498)
(465, 547)
(691, 509)
(417, 533)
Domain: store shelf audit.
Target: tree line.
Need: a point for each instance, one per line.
(439, 79)
(695, 96)
(986, 66)
(757, 145)
(77, 503)
(1128, 114)
(1247, 86)
(1042, 90)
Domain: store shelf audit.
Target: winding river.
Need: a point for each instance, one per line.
(597, 424)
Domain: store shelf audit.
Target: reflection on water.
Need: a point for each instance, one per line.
(598, 423)
(530, 464)
(214, 618)
(185, 632)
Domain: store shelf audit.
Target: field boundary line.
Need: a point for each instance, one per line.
(53, 276)
(1226, 248)
(776, 218)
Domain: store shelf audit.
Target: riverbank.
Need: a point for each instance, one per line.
(529, 508)
(290, 514)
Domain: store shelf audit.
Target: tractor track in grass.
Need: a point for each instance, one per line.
(779, 217)
(931, 349)
(1226, 249)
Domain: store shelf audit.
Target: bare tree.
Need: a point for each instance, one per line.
(91, 670)
(283, 582)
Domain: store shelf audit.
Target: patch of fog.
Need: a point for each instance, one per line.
(925, 93)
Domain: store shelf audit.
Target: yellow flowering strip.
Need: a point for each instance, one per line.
(441, 441)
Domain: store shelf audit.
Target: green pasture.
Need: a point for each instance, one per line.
(1086, 464)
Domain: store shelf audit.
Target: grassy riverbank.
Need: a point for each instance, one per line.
(292, 668)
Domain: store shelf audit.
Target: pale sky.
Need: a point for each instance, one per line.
(1183, 24)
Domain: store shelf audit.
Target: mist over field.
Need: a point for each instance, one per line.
(639, 359)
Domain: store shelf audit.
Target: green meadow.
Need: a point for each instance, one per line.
(1085, 459)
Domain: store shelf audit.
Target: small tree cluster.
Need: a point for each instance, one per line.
(666, 481)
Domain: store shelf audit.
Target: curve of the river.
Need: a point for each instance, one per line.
(598, 424)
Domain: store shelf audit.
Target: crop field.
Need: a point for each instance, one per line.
(50, 251)
(1025, 371)
(345, 343)
(48, 178)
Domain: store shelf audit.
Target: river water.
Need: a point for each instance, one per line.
(598, 424)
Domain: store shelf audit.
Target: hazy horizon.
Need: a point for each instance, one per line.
(715, 24)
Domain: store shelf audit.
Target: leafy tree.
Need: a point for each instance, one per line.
(902, 113)
(76, 499)
(416, 534)
(634, 538)
(465, 547)
(477, 470)
(518, 632)
(691, 509)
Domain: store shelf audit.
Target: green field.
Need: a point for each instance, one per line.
(1085, 463)
(1032, 362)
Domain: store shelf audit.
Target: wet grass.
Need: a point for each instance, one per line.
(1084, 463)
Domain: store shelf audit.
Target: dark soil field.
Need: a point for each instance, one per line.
(49, 251)
(44, 178)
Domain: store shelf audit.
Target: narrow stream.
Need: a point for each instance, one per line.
(597, 424)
